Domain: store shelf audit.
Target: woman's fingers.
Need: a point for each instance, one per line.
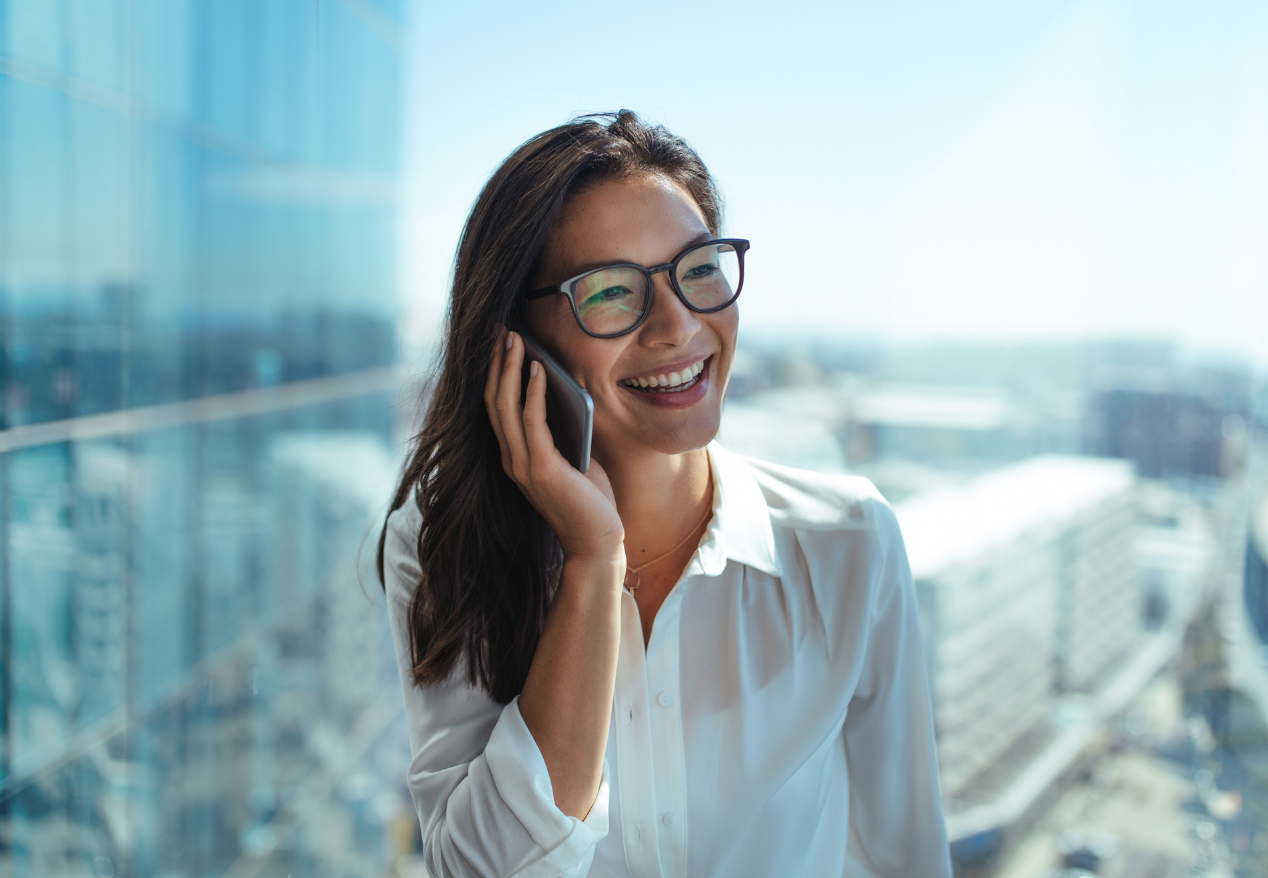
(541, 444)
(520, 428)
(510, 410)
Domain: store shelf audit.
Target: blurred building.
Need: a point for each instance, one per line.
(197, 324)
(795, 426)
(1244, 612)
(1255, 588)
(1171, 426)
(1176, 552)
(931, 423)
(1027, 587)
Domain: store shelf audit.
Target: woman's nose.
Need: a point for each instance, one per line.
(670, 321)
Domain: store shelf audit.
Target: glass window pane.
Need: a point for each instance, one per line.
(187, 644)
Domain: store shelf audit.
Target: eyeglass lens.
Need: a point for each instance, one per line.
(611, 300)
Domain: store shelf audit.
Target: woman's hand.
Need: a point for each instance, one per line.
(579, 508)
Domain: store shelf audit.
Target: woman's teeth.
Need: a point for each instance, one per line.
(668, 379)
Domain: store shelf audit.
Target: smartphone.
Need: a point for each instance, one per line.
(569, 408)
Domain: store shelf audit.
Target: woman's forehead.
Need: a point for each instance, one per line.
(646, 219)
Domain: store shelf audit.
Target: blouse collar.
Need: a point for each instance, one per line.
(740, 529)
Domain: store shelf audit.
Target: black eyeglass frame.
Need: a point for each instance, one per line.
(568, 287)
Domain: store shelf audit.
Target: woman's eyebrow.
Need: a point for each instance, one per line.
(600, 263)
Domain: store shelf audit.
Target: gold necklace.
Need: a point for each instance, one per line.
(634, 571)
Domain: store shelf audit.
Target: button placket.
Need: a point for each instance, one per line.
(665, 721)
(634, 753)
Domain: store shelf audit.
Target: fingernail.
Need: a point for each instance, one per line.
(510, 338)
(532, 370)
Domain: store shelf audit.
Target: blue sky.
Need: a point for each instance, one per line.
(976, 170)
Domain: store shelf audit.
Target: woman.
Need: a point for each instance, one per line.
(681, 662)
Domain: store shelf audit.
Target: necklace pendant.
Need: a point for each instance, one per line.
(632, 580)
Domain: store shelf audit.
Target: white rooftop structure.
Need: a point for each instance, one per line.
(1027, 588)
(930, 406)
(952, 524)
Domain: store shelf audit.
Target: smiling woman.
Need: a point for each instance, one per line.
(681, 662)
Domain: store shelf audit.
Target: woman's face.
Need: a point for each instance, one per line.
(646, 220)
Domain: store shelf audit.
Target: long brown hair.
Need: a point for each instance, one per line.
(489, 561)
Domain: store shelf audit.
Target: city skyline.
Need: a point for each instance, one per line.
(221, 223)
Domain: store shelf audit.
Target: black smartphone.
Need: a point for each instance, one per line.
(569, 408)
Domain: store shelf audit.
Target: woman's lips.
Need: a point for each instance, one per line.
(684, 394)
(672, 377)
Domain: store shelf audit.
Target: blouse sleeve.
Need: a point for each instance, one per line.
(896, 821)
(478, 780)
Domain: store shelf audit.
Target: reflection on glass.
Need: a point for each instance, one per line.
(199, 205)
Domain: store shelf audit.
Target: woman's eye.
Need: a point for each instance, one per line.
(700, 271)
(604, 296)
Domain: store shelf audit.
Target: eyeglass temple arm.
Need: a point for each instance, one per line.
(542, 293)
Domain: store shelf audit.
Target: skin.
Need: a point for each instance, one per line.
(649, 483)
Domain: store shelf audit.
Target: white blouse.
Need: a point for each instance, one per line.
(778, 722)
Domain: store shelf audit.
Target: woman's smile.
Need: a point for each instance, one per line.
(672, 388)
(674, 377)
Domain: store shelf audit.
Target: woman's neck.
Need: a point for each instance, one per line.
(659, 498)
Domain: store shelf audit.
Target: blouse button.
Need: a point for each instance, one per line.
(664, 699)
(670, 818)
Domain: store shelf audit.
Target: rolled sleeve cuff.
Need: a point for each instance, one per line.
(519, 771)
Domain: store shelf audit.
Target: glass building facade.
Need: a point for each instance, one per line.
(199, 399)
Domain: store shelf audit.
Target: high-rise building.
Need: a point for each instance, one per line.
(197, 275)
(1255, 575)
(1027, 586)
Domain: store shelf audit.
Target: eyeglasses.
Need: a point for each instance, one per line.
(616, 299)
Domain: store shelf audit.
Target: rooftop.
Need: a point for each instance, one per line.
(951, 524)
(974, 410)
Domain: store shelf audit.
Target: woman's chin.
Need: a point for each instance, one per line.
(676, 438)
